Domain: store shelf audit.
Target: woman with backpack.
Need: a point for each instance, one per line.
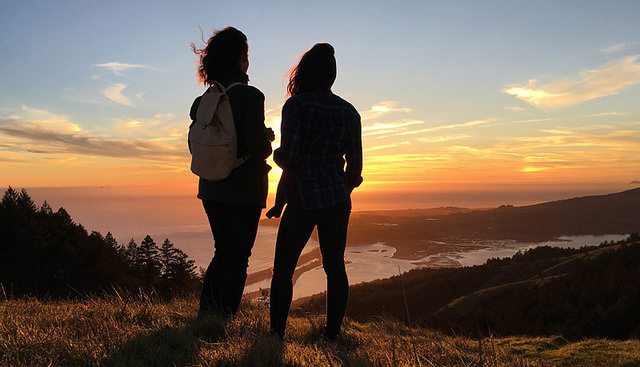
(320, 133)
(233, 205)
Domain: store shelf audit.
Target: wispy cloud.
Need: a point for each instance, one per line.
(605, 114)
(119, 67)
(595, 83)
(458, 125)
(618, 47)
(389, 127)
(558, 153)
(442, 139)
(114, 93)
(387, 146)
(535, 169)
(558, 132)
(381, 109)
(136, 126)
(55, 138)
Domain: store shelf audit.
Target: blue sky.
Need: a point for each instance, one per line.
(451, 92)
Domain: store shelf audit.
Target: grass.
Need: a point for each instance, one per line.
(142, 332)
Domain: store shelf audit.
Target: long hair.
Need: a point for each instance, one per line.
(316, 71)
(221, 56)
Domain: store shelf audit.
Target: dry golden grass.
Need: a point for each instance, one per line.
(139, 332)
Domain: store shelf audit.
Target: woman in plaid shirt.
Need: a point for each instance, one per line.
(320, 133)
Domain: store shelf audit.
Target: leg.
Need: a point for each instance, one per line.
(332, 233)
(241, 225)
(294, 232)
(210, 296)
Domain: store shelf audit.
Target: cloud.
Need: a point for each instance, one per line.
(136, 126)
(381, 109)
(114, 94)
(534, 169)
(390, 127)
(442, 139)
(607, 80)
(605, 114)
(529, 120)
(449, 126)
(558, 132)
(388, 146)
(47, 119)
(118, 67)
(10, 157)
(54, 139)
(618, 47)
(404, 158)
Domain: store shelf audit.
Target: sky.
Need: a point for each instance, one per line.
(454, 95)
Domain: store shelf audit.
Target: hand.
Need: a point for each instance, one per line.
(270, 134)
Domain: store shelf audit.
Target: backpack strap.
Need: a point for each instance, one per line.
(222, 88)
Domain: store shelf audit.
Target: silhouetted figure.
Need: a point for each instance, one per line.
(233, 205)
(319, 131)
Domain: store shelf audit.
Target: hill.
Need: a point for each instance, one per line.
(139, 331)
(420, 233)
(592, 291)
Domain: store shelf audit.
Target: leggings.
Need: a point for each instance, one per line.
(295, 229)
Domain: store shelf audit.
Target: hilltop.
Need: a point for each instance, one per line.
(420, 233)
(141, 331)
(586, 292)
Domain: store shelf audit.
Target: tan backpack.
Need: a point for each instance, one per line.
(212, 136)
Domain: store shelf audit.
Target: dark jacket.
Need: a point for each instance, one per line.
(248, 184)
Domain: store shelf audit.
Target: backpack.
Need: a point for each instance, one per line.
(212, 136)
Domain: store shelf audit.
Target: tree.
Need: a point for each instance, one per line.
(178, 272)
(111, 242)
(43, 252)
(148, 262)
(131, 251)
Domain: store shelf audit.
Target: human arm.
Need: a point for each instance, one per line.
(256, 136)
(353, 155)
(288, 155)
(192, 114)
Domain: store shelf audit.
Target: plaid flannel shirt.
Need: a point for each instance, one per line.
(320, 133)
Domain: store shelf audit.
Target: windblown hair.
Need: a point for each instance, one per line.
(315, 72)
(221, 56)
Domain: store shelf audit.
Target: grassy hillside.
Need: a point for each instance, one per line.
(545, 291)
(138, 332)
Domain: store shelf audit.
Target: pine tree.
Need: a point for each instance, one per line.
(111, 241)
(148, 262)
(178, 272)
(131, 252)
(45, 209)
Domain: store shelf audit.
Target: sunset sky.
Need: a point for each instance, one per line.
(453, 94)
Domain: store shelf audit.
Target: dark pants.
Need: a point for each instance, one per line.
(234, 230)
(295, 229)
